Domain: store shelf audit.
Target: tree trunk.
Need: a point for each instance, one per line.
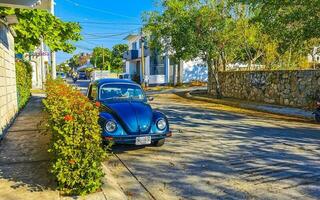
(223, 61)
(179, 72)
(174, 74)
(214, 87)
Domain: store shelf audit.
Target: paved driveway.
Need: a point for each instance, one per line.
(219, 155)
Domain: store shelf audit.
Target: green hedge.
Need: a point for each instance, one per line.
(24, 82)
(75, 147)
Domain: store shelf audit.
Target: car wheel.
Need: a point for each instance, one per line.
(317, 118)
(159, 143)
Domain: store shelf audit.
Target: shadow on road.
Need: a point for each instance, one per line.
(220, 155)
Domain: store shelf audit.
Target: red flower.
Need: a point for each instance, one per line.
(68, 118)
(98, 104)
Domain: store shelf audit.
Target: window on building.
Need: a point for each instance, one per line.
(134, 46)
(140, 44)
(157, 65)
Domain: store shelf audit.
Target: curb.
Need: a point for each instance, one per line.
(298, 118)
(110, 187)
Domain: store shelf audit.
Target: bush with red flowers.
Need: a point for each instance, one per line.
(75, 147)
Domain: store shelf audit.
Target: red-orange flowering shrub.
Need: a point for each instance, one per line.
(75, 147)
(68, 118)
(98, 104)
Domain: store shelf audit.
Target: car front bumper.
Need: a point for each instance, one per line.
(131, 139)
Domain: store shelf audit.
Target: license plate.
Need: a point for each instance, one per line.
(143, 140)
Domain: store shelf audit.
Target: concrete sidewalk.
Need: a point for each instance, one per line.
(24, 161)
(269, 108)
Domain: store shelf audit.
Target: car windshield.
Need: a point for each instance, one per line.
(121, 91)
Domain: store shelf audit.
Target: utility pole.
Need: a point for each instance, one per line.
(143, 84)
(53, 53)
(43, 67)
(102, 58)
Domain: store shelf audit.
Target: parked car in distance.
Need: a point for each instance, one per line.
(99, 74)
(61, 75)
(125, 76)
(125, 115)
(82, 75)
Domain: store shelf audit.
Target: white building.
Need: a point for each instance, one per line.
(159, 68)
(314, 57)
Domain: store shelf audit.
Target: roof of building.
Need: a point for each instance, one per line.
(131, 36)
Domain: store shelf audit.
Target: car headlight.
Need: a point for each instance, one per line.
(161, 124)
(111, 126)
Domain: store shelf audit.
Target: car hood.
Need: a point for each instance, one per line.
(134, 116)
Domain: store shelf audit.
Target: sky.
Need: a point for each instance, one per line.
(104, 22)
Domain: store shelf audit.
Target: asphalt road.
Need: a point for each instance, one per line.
(221, 155)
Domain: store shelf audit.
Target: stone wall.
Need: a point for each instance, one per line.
(8, 89)
(290, 88)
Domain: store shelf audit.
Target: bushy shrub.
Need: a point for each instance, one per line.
(75, 147)
(24, 82)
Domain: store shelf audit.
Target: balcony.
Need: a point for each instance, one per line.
(135, 54)
(131, 55)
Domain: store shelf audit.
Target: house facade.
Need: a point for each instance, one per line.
(159, 68)
(8, 86)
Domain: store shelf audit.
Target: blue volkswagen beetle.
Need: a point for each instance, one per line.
(125, 115)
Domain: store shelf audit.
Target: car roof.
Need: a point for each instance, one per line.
(114, 80)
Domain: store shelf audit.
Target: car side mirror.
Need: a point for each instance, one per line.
(150, 98)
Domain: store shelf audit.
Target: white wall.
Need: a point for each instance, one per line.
(157, 79)
(195, 70)
(132, 67)
(8, 88)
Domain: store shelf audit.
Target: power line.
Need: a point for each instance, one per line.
(95, 36)
(99, 10)
(83, 48)
(110, 23)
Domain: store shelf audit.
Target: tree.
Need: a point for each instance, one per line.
(117, 56)
(195, 28)
(36, 25)
(101, 58)
(293, 24)
(166, 32)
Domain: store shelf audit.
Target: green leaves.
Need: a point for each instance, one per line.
(273, 34)
(112, 58)
(293, 24)
(75, 147)
(101, 58)
(35, 25)
(24, 84)
(117, 56)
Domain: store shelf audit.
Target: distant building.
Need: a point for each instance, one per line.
(39, 60)
(159, 68)
(314, 57)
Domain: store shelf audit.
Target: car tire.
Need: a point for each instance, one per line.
(159, 143)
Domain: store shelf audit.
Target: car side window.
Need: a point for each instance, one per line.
(93, 92)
